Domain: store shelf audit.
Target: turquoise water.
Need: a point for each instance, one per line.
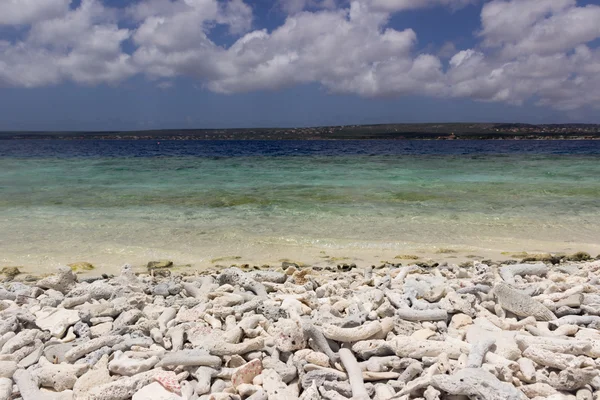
(110, 209)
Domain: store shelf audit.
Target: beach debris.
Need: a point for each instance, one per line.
(159, 265)
(10, 273)
(81, 266)
(486, 331)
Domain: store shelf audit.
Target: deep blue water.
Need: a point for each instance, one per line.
(241, 148)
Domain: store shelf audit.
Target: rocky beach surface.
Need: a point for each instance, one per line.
(478, 331)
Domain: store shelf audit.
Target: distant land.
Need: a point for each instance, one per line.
(424, 131)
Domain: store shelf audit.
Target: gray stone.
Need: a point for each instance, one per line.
(520, 304)
(476, 383)
(63, 281)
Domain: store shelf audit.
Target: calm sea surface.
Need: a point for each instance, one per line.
(205, 202)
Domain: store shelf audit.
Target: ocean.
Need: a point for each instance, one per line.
(317, 202)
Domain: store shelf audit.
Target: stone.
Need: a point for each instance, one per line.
(476, 383)
(96, 376)
(55, 352)
(91, 345)
(28, 388)
(127, 318)
(57, 321)
(101, 329)
(82, 329)
(317, 358)
(162, 289)
(288, 335)
(59, 377)
(81, 266)
(459, 303)
(125, 365)
(6, 388)
(505, 343)
(246, 373)
(6, 295)
(122, 389)
(161, 264)
(34, 357)
(100, 290)
(571, 378)
(377, 333)
(10, 324)
(286, 264)
(7, 369)
(301, 277)
(460, 321)
(155, 391)
(275, 387)
(269, 276)
(93, 357)
(521, 304)
(10, 272)
(579, 256)
(235, 276)
(153, 311)
(24, 338)
(63, 281)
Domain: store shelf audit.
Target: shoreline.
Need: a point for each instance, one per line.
(439, 131)
(245, 138)
(448, 256)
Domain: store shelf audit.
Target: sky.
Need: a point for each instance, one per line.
(159, 64)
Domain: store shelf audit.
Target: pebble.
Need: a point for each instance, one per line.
(486, 331)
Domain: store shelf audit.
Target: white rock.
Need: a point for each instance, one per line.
(506, 346)
(155, 391)
(128, 366)
(70, 336)
(96, 376)
(7, 369)
(460, 320)
(101, 329)
(6, 388)
(57, 321)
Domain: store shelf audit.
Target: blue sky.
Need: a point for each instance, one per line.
(155, 64)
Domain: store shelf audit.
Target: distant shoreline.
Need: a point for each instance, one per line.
(449, 131)
(193, 138)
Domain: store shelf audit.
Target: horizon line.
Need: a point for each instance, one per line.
(293, 127)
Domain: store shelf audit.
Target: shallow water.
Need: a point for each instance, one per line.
(111, 202)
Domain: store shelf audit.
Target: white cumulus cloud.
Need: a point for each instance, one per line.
(533, 49)
(526, 50)
(83, 45)
(19, 12)
(400, 5)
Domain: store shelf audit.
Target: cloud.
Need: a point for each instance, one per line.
(20, 12)
(544, 56)
(447, 50)
(558, 33)
(339, 49)
(165, 85)
(180, 23)
(401, 5)
(295, 6)
(83, 45)
(506, 21)
(538, 26)
(347, 51)
(526, 50)
(390, 6)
